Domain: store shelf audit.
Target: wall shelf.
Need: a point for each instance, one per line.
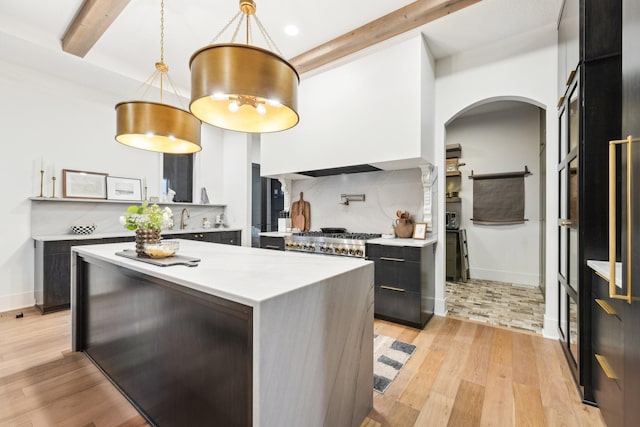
(125, 202)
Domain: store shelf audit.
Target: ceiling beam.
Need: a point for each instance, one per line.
(397, 22)
(91, 21)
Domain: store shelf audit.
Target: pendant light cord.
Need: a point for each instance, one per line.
(161, 64)
(238, 16)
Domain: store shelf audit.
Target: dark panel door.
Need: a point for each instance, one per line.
(631, 223)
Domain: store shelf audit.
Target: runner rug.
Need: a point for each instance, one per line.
(389, 356)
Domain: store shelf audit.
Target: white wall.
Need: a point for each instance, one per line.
(55, 109)
(385, 193)
(237, 182)
(519, 68)
(494, 142)
(364, 111)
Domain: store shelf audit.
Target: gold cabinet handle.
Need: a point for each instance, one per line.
(606, 307)
(391, 288)
(604, 364)
(612, 216)
(566, 222)
(392, 259)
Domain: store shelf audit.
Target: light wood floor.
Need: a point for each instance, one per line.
(462, 374)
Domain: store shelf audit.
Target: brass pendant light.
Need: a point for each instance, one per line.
(241, 87)
(156, 126)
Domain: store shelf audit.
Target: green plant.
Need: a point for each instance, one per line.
(145, 217)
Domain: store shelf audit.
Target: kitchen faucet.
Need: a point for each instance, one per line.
(182, 223)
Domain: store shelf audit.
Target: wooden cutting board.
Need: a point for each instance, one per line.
(162, 262)
(301, 214)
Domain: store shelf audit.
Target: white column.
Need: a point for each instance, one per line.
(429, 176)
(286, 189)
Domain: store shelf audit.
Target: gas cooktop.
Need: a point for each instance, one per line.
(344, 244)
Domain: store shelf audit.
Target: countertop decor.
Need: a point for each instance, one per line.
(147, 221)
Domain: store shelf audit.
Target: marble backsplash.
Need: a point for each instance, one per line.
(385, 193)
(55, 217)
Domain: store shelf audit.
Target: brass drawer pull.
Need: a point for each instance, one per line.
(392, 259)
(566, 222)
(391, 288)
(267, 246)
(606, 368)
(606, 306)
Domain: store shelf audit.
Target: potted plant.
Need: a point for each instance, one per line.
(148, 222)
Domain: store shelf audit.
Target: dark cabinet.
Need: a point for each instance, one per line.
(404, 283)
(224, 237)
(270, 242)
(53, 271)
(607, 345)
(53, 264)
(589, 113)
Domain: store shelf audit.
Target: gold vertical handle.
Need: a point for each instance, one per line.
(612, 216)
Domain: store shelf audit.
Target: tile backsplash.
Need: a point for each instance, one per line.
(385, 193)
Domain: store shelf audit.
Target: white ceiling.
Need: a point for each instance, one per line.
(131, 45)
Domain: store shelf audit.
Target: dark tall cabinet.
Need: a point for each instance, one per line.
(630, 209)
(589, 61)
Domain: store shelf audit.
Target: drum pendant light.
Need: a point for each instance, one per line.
(241, 87)
(156, 126)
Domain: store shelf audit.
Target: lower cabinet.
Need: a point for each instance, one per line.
(224, 237)
(404, 283)
(53, 264)
(607, 352)
(52, 271)
(270, 242)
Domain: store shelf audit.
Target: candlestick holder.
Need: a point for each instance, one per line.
(53, 187)
(41, 183)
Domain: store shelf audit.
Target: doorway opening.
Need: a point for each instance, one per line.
(495, 271)
(267, 201)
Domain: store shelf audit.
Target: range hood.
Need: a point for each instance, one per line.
(340, 170)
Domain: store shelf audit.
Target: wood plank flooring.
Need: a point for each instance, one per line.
(462, 374)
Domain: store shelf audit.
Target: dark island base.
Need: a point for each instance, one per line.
(180, 356)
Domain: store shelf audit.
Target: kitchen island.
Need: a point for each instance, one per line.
(247, 337)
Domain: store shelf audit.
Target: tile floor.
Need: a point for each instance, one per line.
(497, 303)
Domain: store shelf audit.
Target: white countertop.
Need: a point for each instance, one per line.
(241, 274)
(165, 233)
(602, 268)
(430, 240)
(274, 234)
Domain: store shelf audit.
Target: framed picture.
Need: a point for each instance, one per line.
(124, 188)
(420, 230)
(83, 185)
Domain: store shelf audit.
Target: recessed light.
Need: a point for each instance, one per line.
(291, 30)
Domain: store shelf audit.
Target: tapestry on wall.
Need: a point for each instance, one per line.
(498, 199)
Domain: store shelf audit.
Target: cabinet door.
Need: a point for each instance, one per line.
(404, 275)
(274, 243)
(397, 305)
(631, 224)
(57, 281)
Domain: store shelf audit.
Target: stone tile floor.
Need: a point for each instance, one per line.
(497, 303)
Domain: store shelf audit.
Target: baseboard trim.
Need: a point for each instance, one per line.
(16, 301)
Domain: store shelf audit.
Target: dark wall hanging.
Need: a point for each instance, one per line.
(498, 198)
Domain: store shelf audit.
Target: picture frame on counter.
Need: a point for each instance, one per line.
(83, 185)
(420, 231)
(120, 188)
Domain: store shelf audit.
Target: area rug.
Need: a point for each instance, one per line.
(389, 356)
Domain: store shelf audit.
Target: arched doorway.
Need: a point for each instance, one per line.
(505, 268)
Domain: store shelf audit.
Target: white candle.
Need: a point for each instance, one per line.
(41, 163)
